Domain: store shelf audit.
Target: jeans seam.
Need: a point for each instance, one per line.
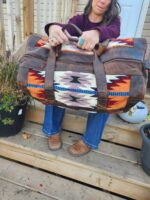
(90, 145)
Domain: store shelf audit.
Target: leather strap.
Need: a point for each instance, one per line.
(147, 64)
(101, 82)
(73, 26)
(49, 74)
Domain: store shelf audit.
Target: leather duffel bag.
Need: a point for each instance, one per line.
(70, 77)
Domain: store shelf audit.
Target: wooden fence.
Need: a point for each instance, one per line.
(24, 17)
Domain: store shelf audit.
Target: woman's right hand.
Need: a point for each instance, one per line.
(56, 35)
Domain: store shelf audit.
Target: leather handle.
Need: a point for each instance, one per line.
(49, 74)
(70, 25)
(99, 47)
(101, 83)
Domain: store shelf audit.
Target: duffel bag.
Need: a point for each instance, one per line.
(70, 77)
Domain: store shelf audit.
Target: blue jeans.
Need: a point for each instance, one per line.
(94, 128)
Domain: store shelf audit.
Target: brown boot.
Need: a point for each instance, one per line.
(54, 142)
(79, 149)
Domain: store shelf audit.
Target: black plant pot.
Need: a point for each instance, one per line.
(148, 83)
(18, 115)
(145, 151)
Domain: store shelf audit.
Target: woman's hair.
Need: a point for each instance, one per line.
(112, 12)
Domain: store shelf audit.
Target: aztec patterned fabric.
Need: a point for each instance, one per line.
(75, 84)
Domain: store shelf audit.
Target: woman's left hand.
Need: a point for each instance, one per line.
(89, 39)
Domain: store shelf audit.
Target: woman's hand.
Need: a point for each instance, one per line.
(89, 40)
(56, 35)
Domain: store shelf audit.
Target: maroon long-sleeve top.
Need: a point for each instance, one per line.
(112, 30)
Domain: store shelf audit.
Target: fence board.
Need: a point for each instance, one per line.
(18, 22)
(10, 15)
(28, 16)
(2, 33)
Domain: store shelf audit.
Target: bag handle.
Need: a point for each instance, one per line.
(99, 47)
(101, 83)
(49, 74)
(70, 25)
(98, 70)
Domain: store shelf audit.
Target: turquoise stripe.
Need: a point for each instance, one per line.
(34, 86)
(79, 90)
(118, 93)
(75, 90)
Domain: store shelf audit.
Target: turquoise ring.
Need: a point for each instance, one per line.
(81, 41)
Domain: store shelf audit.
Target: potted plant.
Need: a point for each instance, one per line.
(13, 101)
(145, 151)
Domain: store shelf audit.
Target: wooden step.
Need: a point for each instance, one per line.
(113, 167)
(12, 191)
(117, 130)
(20, 182)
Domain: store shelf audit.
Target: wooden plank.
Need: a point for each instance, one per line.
(116, 130)
(2, 32)
(46, 9)
(147, 26)
(18, 22)
(37, 15)
(106, 148)
(28, 17)
(147, 20)
(146, 33)
(11, 191)
(102, 171)
(59, 4)
(49, 185)
(10, 14)
(73, 8)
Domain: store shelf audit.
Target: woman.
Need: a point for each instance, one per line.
(100, 21)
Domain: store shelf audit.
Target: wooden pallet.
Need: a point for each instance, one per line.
(113, 167)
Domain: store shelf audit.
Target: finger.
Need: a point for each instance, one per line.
(80, 42)
(62, 36)
(51, 39)
(85, 44)
(58, 39)
(78, 45)
(91, 46)
(54, 42)
(88, 46)
(67, 34)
